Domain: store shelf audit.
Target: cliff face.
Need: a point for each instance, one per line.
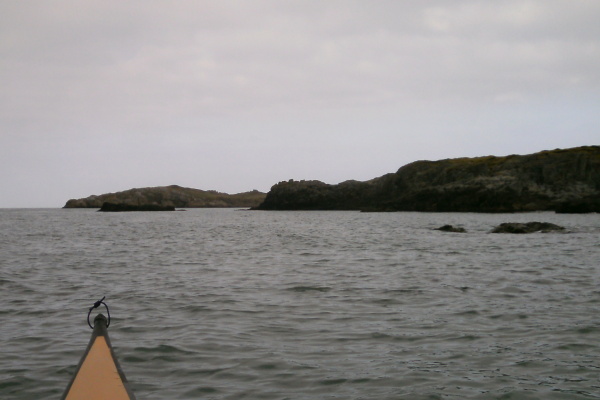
(316, 195)
(563, 180)
(174, 196)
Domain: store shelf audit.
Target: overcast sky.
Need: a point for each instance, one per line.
(104, 96)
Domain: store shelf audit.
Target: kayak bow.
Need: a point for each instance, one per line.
(98, 375)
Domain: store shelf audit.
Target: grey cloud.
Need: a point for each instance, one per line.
(234, 77)
(219, 54)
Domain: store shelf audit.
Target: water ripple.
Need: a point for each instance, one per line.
(221, 304)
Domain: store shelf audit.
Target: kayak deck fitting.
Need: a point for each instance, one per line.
(99, 375)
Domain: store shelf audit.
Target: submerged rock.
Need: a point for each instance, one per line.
(450, 228)
(529, 227)
(117, 207)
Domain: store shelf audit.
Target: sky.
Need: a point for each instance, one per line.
(237, 95)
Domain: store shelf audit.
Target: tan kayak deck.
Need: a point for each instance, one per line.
(98, 375)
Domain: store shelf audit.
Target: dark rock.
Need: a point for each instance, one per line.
(579, 206)
(450, 228)
(314, 195)
(536, 182)
(529, 227)
(112, 207)
(173, 195)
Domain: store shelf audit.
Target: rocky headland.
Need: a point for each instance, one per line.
(528, 227)
(450, 228)
(170, 196)
(562, 180)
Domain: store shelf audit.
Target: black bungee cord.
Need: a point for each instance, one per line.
(96, 305)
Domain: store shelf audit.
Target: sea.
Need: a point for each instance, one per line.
(239, 304)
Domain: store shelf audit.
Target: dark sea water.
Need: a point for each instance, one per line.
(226, 304)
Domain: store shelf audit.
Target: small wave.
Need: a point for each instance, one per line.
(508, 317)
(329, 382)
(386, 301)
(200, 391)
(267, 366)
(468, 313)
(376, 308)
(405, 291)
(588, 329)
(576, 346)
(163, 349)
(361, 380)
(468, 338)
(309, 289)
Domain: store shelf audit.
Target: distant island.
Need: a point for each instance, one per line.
(124, 207)
(561, 180)
(170, 196)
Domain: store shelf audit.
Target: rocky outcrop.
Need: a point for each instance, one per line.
(171, 196)
(579, 206)
(529, 227)
(316, 195)
(120, 207)
(450, 228)
(547, 180)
